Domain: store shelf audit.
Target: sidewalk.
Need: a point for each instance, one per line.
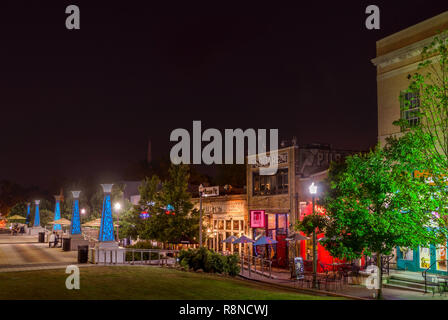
(24, 251)
(282, 279)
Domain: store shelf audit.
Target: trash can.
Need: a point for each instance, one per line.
(41, 237)
(66, 244)
(83, 254)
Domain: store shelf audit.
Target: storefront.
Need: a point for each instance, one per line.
(305, 247)
(431, 258)
(276, 227)
(224, 216)
(281, 199)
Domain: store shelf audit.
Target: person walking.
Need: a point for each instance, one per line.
(52, 240)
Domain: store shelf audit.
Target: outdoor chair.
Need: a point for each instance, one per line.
(324, 267)
(354, 270)
(334, 281)
(308, 265)
(306, 281)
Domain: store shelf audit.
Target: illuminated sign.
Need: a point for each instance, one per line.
(257, 219)
(144, 215)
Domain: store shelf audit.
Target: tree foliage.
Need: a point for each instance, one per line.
(429, 85)
(155, 196)
(376, 204)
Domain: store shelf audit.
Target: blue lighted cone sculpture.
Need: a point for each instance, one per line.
(75, 227)
(28, 212)
(57, 213)
(36, 215)
(107, 225)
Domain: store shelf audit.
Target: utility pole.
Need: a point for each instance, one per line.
(201, 189)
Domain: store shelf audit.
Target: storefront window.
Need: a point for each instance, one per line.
(441, 258)
(266, 185)
(425, 258)
(236, 225)
(215, 224)
(407, 254)
(282, 221)
(220, 224)
(220, 239)
(271, 221)
(228, 225)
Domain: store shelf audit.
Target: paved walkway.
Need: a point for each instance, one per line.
(282, 278)
(24, 251)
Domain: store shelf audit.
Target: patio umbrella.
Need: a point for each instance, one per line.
(296, 237)
(16, 217)
(95, 223)
(92, 223)
(264, 240)
(325, 238)
(230, 239)
(62, 222)
(243, 239)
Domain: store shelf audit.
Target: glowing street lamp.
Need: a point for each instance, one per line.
(313, 188)
(313, 191)
(75, 227)
(107, 225)
(83, 211)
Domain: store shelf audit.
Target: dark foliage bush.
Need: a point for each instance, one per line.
(209, 261)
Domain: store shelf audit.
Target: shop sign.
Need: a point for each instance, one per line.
(209, 191)
(230, 206)
(257, 219)
(274, 159)
(300, 270)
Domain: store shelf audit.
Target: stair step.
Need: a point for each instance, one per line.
(400, 287)
(411, 279)
(410, 284)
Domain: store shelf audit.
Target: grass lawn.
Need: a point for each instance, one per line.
(137, 282)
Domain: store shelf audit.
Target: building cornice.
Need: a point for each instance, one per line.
(401, 54)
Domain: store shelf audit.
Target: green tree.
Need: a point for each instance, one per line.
(376, 204)
(427, 99)
(181, 222)
(424, 110)
(19, 208)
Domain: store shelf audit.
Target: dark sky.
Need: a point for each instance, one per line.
(84, 103)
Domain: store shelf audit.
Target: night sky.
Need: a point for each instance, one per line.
(85, 102)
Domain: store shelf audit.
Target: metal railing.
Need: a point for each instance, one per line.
(132, 256)
(253, 261)
(425, 273)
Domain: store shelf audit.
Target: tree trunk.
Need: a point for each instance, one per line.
(379, 294)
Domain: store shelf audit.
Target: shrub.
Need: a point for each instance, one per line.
(209, 261)
(232, 266)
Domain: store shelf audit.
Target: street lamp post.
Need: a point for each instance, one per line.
(117, 207)
(201, 189)
(313, 191)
